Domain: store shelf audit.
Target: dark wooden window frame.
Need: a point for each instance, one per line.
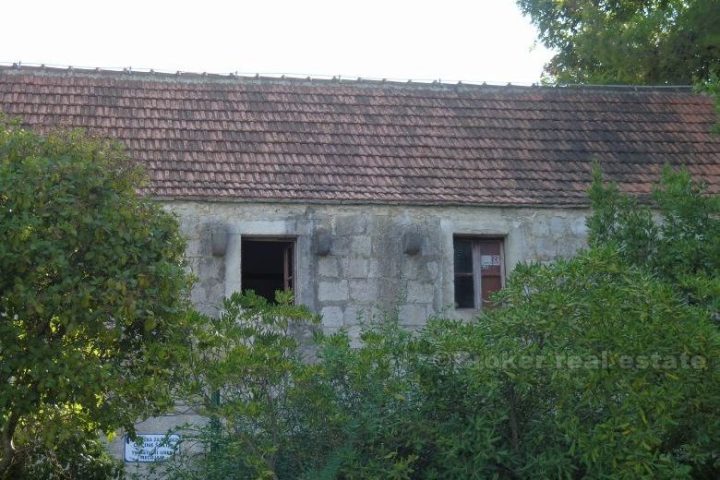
(476, 273)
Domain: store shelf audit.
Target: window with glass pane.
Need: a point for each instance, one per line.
(479, 270)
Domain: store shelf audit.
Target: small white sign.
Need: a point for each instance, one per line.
(487, 261)
(151, 448)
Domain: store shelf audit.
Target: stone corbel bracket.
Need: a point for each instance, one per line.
(412, 241)
(218, 239)
(322, 242)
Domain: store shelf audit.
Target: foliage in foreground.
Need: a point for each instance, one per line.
(593, 369)
(91, 298)
(245, 371)
(676, 238)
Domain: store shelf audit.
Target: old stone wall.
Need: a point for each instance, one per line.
(367, 269)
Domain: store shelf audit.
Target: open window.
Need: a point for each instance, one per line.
(267, 265)
(479, 270)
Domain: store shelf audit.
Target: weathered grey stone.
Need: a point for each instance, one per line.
(218, 239)
(368, 246)
(374, 268)
(332, 316)
(197, 294)
(336, 291)
(579, 228)
(233, 265)
(192, 264)
(209, 268)
(322, 242)
(412, 242)
(432, 269)
(379, 267)
(363, 291)
(266, 226)
(418, 292)
(341, 246)
(328, 266)
(354, 334)
(413, 314)
(190, 228)
(360, 245)
(215, 291)
(331, 330)
(351, 225)
(391, 292)
(410, 269)
(355, 315)
(558, 225)
(210, 309)
(356, 268)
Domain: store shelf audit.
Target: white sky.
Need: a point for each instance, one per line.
(473, 40)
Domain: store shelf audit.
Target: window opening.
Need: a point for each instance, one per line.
(479, 270)
(267, 266)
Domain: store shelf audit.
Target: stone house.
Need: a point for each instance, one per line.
(362, 194)
(370, 194)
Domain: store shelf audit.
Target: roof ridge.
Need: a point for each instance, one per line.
(128, 73)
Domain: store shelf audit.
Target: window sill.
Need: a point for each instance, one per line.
(466, 313)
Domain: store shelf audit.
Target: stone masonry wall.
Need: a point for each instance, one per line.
(367, 269)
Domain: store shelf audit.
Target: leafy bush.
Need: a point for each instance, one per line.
(610, 373)
(677, 238)
(246, 372)
(592, 369)
(377, 396)
(77, 454)
(92, 297)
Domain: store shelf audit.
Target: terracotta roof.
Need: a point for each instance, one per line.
(240, 138)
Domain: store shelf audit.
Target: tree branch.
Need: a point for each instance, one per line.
(8, 449)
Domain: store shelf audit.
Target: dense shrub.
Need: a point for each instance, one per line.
(612, 373)
(592, 369)
(92, 295)
(266, 404)
(676, 237)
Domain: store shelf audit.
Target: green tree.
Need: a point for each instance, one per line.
(676, 238)
(629, 41)
(246, 371)
(92, 296)
(627, 383)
